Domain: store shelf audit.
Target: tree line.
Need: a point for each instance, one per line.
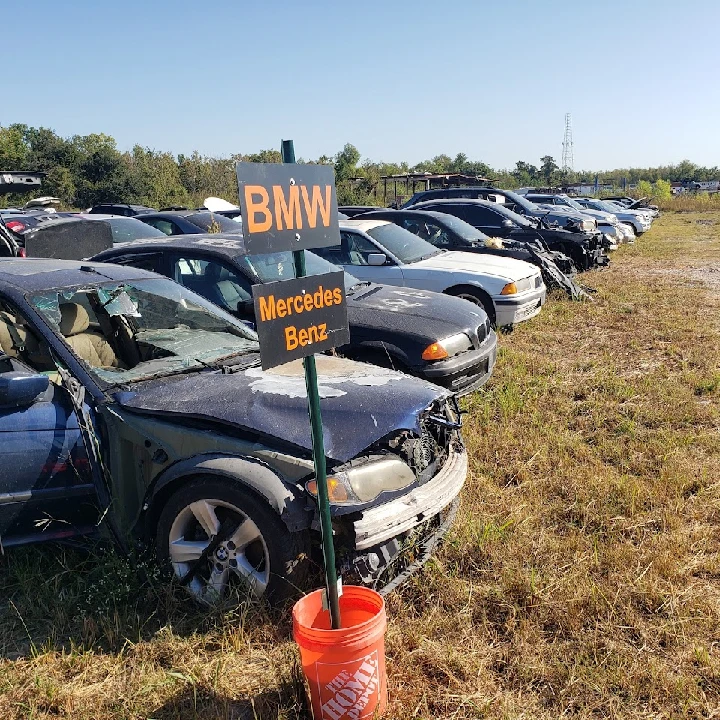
(84, 170)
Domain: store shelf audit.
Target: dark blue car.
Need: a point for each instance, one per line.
(131, 405)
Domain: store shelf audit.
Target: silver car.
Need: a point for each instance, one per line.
(639, 222)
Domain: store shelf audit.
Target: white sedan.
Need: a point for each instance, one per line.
(509, 290)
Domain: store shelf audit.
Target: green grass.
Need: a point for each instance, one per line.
(581, 578)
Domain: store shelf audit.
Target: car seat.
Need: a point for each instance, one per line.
(223, 289)
(90, 346)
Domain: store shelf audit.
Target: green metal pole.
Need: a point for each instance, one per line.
(318, 444)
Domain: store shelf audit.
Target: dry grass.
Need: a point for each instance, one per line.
(582, 578)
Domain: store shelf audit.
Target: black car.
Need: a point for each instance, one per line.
(120, 209)
(130, 405)
(564, 218)
(350, 211)
(191, 222)
(449, 232)
(443, 339)
(584, 249)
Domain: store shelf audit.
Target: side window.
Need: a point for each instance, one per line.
(149, 262)
(353, 250)
(18, 340)
(163, 225)
(480, 216)
(428, 231)
(216, 281)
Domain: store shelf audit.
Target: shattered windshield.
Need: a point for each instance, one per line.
(140, 329)
(279, 266)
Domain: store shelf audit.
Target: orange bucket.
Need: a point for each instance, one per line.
(344, 668)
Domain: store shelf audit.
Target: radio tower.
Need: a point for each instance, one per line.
(567, 154)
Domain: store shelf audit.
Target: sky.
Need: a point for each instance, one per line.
(400, 80)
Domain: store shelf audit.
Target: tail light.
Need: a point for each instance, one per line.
(15, 226)
(21, 252)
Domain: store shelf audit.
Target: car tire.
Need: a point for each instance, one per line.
(477, 297)
(261, 558)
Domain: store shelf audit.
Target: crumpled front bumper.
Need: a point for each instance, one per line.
(395, 539)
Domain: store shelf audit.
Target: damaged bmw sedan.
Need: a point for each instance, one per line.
(132, 405)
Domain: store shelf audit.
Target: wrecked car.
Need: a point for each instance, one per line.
(585, 249)
(442, 339)
(132, 405)
(449, 232)
(510, 291)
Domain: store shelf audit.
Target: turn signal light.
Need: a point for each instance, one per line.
(509, 289)
(337, 492)
(434, 352)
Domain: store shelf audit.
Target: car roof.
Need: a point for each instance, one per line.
(363, 225)
(214, 243)
(38, 274)
(457, 201)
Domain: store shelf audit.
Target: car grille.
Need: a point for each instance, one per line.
(478, 337)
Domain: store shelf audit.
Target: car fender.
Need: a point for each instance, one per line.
(288, 501)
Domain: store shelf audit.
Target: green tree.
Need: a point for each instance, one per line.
(548, 168)
(346, 163)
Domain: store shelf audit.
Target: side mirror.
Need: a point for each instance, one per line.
(507, 226)
(246, 309)
(377, 259)
(21, 389)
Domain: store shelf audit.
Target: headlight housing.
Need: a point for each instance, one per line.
(447, 348)
(366, 481)
(509, 289)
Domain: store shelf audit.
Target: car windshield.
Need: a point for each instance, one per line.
(465, 231)
(517, 219)
(214, 222)
(141, 329)
(127, 229)
(569, 202)
(279, 266)
(606, 206)
(521, 201)
(405, 246)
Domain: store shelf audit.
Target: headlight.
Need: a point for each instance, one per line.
(589, 225)
(447, 348)
(365, 482)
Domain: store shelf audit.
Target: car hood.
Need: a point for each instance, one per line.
(393, 311)
(360, 403)
(493, 265)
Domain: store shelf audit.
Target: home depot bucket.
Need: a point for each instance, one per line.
(345, 668)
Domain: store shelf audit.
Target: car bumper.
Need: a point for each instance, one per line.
(510, 311)
(467, 371)
(399, 516)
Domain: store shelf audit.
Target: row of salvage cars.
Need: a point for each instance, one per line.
(132, 401)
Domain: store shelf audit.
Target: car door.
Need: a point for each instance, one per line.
(353, 255)
(46, 485)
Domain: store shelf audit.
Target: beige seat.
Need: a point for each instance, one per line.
(12, 336)
(90, 346)
(18, 342)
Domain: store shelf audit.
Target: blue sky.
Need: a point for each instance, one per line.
(400, 80)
